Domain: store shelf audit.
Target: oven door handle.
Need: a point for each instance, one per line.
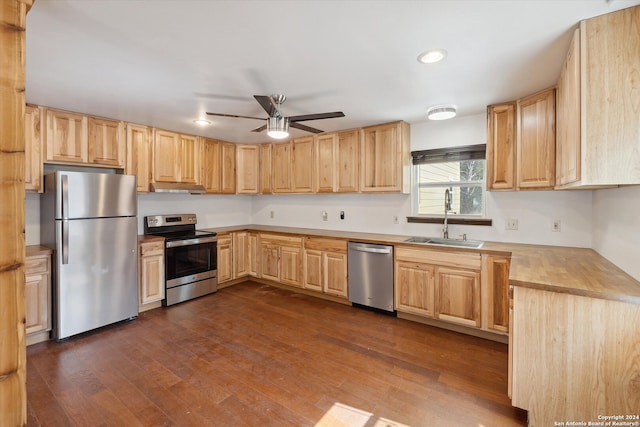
(187, 242)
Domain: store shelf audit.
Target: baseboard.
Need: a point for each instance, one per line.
(480, 333)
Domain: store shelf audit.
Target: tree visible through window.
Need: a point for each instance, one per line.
(464, 178)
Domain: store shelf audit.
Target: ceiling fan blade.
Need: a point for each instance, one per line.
(304, 127)
(317, 116)
(267, 103)
(234, 115)
(260, 129)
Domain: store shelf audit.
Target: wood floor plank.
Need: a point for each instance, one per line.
(255, 355)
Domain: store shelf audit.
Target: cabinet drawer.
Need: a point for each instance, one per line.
(446, 258)
(281, 240)
(329, 245)
(152, 248)
(35, 265)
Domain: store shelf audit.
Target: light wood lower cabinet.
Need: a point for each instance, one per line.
(37, 297)
(254, 254)
(240, 254)
(440, 284)
(325, 266)
(281, 258)
(151, 273)
(225, 257)
(495, 293)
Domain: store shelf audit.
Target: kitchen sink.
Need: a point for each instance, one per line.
(446, 242)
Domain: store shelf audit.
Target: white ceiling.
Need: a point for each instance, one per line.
(164, 63)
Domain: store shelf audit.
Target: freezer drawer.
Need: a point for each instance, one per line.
(371, 275)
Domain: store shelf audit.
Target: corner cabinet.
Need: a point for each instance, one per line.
(385, 164)
(37, 292)
(599, 130)
(151, 274)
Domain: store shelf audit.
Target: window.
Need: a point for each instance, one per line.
(461, 170)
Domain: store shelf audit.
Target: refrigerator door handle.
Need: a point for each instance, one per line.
(65, 195)
(64, 242)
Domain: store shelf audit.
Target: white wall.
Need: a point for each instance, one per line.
(616, 227)
(534, 210)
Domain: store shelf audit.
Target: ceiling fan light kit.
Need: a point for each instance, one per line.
(442, 112)
(278, 127)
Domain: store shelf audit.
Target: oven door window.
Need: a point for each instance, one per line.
(190, 259)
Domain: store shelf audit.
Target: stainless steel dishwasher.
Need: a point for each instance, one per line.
(371, 275)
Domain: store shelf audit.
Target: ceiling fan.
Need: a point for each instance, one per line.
(277, 125)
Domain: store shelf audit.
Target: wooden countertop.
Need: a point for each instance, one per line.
(145, 238)
(37, 250)
(577, 271)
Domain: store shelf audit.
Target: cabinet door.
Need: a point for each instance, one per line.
(325, 163)
(33, 149)
(281, 167)
(151, 279)
(568, 115)
(225, 258)
(228, 164)
(265, 168)
(139, 155)
(458, 296)
(67, 137)
(501, 146)
(497, 307)
(270, 261)
(248, 169)
(37, 294)
(415, 288)
(254, 254)
(383, 158)
(106, 142)
(302, 165)
(189, 159)
(347, 158)
(166, 156)
(313, 271)
(211, 165)
(335, 274)
(291, 265)
(240, 254)
(536, 143)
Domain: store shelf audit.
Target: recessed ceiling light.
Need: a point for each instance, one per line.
(441, 112)
(202, 122)
(432, 55)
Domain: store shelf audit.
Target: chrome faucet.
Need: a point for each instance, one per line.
(447, 208)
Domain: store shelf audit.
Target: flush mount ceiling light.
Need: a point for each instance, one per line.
(441, 112)
(278, 127)
(202, 122)
(431, 56)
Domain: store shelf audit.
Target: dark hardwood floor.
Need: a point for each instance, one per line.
(256, 355)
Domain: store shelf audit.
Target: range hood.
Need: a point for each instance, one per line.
(172, 187)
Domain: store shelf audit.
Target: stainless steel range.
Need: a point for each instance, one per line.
(190, 256)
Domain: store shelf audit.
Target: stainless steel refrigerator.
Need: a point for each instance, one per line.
(90, 221)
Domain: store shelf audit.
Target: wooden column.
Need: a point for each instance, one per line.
(13, 385)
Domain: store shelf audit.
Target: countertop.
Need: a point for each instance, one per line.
(577, 271)
(37, 250)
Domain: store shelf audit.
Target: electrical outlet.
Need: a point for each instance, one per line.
(555, 226)
(272, 215)
(511, 224)
(325, 216)
(395, 220)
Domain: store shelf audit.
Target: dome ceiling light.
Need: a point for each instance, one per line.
(442, 112)
(432, 56)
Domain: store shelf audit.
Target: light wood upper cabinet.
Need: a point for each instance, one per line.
(241, 267)
(176, 157)
(609, 129)
(568, 117)
(228, 168)
(281, 167)
(67, 137)
(33, 148)
(139, 155)
(265, 169)
(151, 272)
(247, 169)
(211, 170)
(37, 293)
(536, 141)
(302, 164)
(225, 257)
(385, 158)
(107, 142)
(336, 162)
(501, 146)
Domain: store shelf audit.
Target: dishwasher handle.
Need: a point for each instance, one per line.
(383, 250)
